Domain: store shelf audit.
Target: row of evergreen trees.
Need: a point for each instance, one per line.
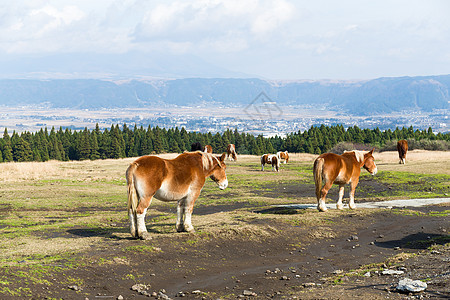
(123, 142)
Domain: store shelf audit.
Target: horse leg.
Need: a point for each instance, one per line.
(141, 211)
(188, 208)
(323, 194)
(353, 185)
(180, 215)
(262, 167)
(339, 204)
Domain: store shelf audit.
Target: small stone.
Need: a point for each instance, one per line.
(154, 294)
(367, 274)
(371, 243)
(120, 297)
(249, 293)
(75, 287)
(338, 271)
(320, 258)
(309, 284)
(392, 272)
(284, 278)
(196, 292)
(396, 248)
(163, 296)
(354, 238)
(381, 236)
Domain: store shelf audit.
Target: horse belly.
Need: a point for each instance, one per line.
(168, 193)
(342, 178)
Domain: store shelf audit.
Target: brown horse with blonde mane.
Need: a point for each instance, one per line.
(231, 152)
(180, 179)
(271, 159)
(208, 149)
(342, 169)
(402, 148)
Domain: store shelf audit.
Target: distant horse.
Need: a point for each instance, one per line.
(180, 179)
(342, 169)
(196, 147)
(283, 155)
(270, 159)
(208, 149)
(231, 152)
(402, 148)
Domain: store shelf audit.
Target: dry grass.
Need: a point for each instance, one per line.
(417, 161)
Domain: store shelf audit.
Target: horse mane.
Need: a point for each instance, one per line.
(358, 154)
(208, 160)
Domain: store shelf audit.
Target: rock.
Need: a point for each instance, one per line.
(154, 294)
(367, 274)
(181, 294)
(249, 293)
(163, 296)
(284, 278)
(75, 287)
(196, 292)
(338, 271)
(409, 285)
(120, 297)
(392, 272)
(309, 284)
(139, 287)
(354, 238)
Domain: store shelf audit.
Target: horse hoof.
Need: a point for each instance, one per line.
(145, 236)
(323, 209)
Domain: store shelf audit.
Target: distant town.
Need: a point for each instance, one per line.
(269, 121)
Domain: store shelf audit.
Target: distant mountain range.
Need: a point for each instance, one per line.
(382, 95)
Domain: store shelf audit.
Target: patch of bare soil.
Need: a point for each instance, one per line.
(281, 260)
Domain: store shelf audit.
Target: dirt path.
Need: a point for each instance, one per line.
(303, 262)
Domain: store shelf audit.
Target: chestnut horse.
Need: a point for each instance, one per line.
(283, 155)
(270, 159)
(208, 149)
(342, 169)
(180, 179)
(231, 152)
(402, 148)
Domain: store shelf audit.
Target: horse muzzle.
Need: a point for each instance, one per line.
(223, 184)
(374, 172)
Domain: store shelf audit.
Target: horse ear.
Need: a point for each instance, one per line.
(222, 157)
(371, 151)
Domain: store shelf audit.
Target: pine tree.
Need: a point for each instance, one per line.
(7, 148)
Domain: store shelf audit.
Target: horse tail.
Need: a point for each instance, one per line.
(132, 194)
(317, 171)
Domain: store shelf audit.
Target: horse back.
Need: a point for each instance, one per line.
(338, 168)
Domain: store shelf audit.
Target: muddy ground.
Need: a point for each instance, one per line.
(282, 262)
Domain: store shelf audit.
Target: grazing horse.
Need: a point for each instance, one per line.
(342, 169)
(270, 159)
(196, 147)
(402, 148)
(180, 179)
(231, 152)
(283, 155)
(208, 149)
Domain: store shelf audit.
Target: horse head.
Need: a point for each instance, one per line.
(369, 163)
(218, 174)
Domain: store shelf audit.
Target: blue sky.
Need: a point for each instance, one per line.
(272, 39)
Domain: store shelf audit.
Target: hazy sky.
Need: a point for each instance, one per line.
(273, 39)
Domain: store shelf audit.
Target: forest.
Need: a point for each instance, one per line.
(124, 141)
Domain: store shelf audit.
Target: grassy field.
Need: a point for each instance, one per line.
(44, 207)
